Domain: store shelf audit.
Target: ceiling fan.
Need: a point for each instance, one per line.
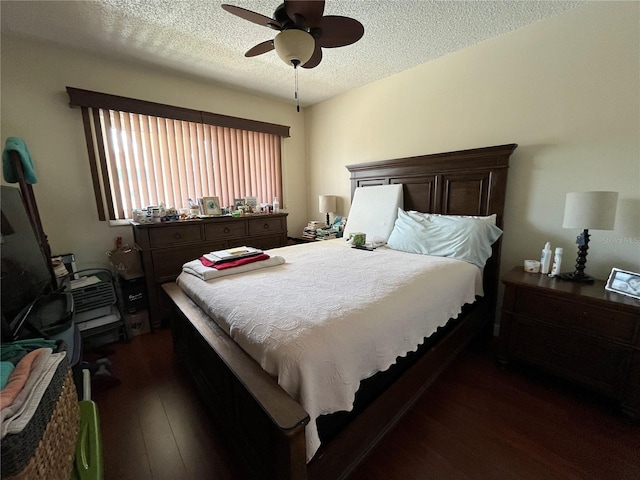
(304, 31)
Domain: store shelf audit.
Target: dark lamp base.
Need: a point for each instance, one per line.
(575, 277)
(581, 262)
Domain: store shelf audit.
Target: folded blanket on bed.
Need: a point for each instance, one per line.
(195, 267)
(233, 263)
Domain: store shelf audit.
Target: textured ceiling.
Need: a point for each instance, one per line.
(197, 37)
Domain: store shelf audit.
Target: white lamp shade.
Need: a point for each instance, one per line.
(590, 210)
(327, 203)
(294, 45)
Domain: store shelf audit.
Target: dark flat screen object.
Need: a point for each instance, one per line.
(364, 247)
(24, 274)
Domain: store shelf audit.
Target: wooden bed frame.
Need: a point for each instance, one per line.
(265, 424)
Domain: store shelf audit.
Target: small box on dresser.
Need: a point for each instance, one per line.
(577, 331)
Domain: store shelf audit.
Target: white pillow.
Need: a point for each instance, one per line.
(489, 218)
(467, 239)
(373, 211)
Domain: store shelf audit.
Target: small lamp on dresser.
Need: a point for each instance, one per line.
(327, 204)
(588, 210)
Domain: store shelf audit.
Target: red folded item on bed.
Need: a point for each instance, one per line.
(234, 263)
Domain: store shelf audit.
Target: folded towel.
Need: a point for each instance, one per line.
(233, 263)
(19, 377)
(17, 415)
(195, 267)
(10, 175)
(14, 351)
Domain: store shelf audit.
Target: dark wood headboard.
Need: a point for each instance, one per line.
(466, 182)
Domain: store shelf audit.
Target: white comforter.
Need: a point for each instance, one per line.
(332, 315)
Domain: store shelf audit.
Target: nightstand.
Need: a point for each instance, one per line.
(579, 332)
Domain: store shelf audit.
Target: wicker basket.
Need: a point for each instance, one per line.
(45, 449)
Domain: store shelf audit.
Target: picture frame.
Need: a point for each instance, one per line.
(211, 206)
(624, 282)
(238, 203)
(251, 201)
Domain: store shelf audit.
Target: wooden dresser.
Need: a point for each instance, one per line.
(577, 331)
(167, 246)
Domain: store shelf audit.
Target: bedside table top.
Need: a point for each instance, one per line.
(594, 291)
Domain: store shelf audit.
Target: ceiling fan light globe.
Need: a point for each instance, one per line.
(294, 47)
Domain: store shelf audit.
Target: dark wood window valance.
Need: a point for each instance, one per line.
(88, 98)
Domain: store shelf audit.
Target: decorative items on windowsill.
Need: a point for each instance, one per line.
(196, 209)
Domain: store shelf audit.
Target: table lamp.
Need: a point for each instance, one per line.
(327, 203)
(587, 210)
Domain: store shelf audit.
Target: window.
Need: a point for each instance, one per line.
(144, 153)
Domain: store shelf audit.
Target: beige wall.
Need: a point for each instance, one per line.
(35, 108)
(567, 90)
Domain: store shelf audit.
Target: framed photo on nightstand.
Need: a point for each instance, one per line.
(624, 282)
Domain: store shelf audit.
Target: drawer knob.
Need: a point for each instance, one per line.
(177, 236)
(226, 230)
(266, 226)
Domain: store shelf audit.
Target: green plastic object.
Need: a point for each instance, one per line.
(88, 462)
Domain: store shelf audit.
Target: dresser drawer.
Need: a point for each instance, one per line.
(582, 358)
(167, 263)
(224, 230)
(264, 242)
(178, 235)
(268, 225)
(576, 315)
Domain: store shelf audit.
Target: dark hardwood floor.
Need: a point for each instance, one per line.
(476, 422)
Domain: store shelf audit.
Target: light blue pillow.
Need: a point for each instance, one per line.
(488, 218)
(464, 238)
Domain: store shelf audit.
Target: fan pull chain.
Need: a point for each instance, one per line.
(295, 69)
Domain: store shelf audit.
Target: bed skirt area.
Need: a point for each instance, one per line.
(267, 426)
(331, 424)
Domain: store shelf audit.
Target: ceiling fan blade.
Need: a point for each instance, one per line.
(310, 10)
(315, 59)
(336, 31)
(260, 48)
(252, 16)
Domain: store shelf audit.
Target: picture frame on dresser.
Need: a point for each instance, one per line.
(211, 206)
(624, 282)
(251, 201)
